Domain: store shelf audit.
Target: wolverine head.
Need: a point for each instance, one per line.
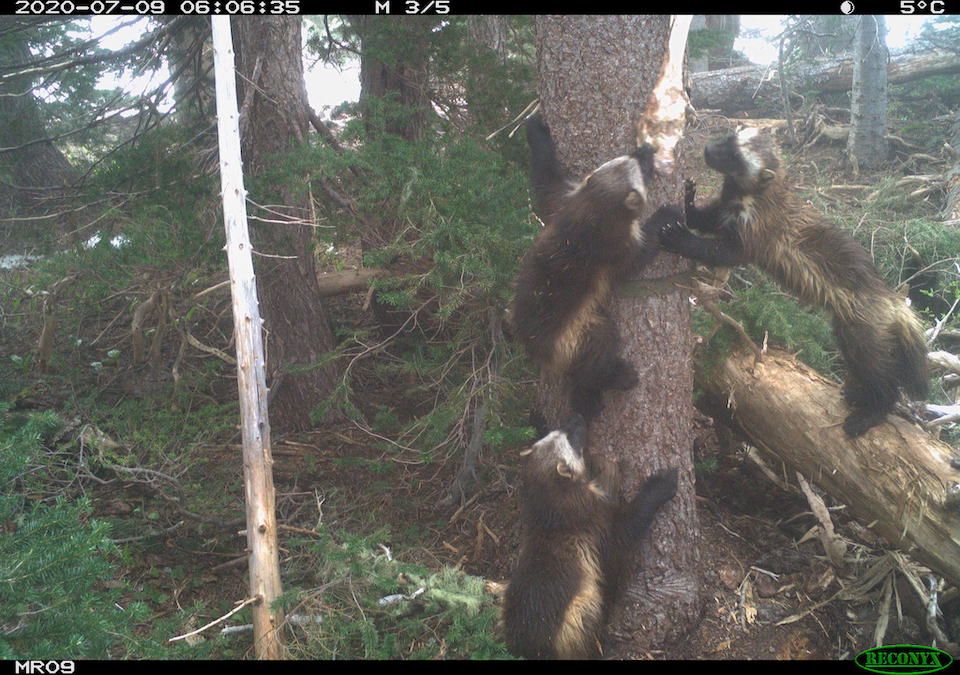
(622, 181)
(560, 452)
(747, 156)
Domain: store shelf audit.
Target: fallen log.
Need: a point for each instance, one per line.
(895, 478)
(737, 88)
(347, 281)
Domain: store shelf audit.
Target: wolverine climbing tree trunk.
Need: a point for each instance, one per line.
(595, 74)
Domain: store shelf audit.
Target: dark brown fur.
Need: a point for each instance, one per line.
(592, 236)
(758, 219)
(575, 539)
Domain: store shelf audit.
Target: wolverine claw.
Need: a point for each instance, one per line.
(672, 234)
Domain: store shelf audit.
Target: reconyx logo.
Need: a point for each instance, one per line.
(897, 659)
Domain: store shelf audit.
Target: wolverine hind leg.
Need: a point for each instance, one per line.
(871, 387)
(597, 367)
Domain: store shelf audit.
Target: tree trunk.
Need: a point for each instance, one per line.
(595, 74)
(394, 68)
(735, 89)
(264, 560)
(298, 331)
(190, 61)
(41, 173)
(867, 143)
(895, 477)
(394, 100)
(488, 37)
(727, 27)
(951, 209)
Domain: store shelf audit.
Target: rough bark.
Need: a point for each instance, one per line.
(298, 331)
(721, 55)
(951, 209)
(489, 31)
(190, 60)
(488, 37)
(867, 144)
(896, 477)
(394, 65)
(733, 89)
(595, 74)
(41, 173)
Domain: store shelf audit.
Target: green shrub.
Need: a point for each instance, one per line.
(53, 561)
(371, 606)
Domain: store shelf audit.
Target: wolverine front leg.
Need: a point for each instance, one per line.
(632, 521)
(718, 252)
(706, 218)
(650, 239)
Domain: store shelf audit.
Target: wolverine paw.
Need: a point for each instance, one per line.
(860, 421)
(673, 235)
(663, 217)
(661, 486)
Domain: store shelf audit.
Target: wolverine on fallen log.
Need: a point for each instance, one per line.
(758, 219)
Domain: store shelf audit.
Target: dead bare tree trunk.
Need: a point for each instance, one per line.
(264, 560)
(595, 75)
(867, 144)
(734, 89)
(895, 477)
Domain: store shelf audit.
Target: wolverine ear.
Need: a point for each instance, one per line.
(633, 201)
(564, 470)
(524, 453)
(767, 175)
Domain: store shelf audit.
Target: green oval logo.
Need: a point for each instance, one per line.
(897, 659)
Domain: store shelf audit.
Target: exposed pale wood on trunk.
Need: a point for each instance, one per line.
(895, 477)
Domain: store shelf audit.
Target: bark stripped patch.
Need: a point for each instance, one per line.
(663, 119)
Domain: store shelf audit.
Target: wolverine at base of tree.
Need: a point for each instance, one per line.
(576, 538)
(758, 219)
(593, 237)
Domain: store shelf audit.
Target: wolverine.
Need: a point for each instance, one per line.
(593, 236)
(758, 219)
(576, 539)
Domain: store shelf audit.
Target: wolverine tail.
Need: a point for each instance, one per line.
(911, 352)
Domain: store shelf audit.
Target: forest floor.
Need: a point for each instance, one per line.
(757, 566)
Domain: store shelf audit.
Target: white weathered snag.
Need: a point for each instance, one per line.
(665, 116)
(251, 378)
